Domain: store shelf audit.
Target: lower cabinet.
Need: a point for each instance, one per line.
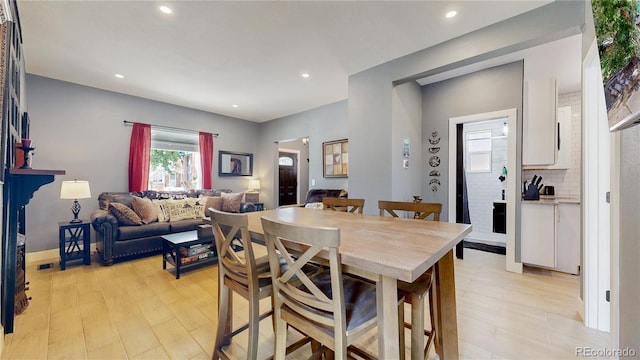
(568, 238)
(538, 234)
(550, 236)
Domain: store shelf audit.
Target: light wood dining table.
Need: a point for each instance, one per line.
(385, 250)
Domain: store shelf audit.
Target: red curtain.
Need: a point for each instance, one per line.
(139, 157)
(206, 158)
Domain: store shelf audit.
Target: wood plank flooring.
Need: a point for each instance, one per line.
(136, 310)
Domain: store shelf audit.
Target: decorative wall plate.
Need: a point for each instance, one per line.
(434, 150)
(434, 188)
(434, 161)
(434, 134)
(434, 181)
(434, 173)
(434, 141)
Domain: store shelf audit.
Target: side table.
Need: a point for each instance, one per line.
(70, 236)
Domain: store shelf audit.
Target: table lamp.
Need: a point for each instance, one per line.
(75, 190)
(254, 185)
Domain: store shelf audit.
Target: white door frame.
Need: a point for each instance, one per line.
(513, 191)
(595, 210)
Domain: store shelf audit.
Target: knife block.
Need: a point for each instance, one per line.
(532, 193)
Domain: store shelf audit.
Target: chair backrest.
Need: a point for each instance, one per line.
(324, 306)
(316, 195)
(235, 254)
(355, 206)
(421, 210)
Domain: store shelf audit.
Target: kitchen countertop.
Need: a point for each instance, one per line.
(554, 200)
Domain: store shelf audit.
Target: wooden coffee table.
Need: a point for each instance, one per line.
(171, 253)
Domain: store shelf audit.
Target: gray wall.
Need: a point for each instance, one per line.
(370, 146)
(407, 123)
(497, 88)
(79, 129)
(629, 246)
(325, 123)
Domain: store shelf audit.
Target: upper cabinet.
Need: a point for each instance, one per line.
(563, 139)
(539, 133)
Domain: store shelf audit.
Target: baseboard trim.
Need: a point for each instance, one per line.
(484, 247)
(2, 340)
(581, 310)
(48, 255)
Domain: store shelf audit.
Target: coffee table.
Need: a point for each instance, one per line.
(171, 253)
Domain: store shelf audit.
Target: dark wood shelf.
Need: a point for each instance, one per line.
(20, 171)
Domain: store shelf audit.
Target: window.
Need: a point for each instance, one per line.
(285, 161)
(175, 161)
(478, 151)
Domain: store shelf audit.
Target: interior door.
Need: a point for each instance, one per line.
(462, 204)
(287, 178)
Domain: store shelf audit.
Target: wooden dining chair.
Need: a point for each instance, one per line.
(415, 293)
(240, 271)
(418, 210)
(243, 267)
(351, 205)
(332, 308)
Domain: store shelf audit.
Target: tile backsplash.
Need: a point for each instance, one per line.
(567, 182)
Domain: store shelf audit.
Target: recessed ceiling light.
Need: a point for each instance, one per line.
(305, 75)
(166, 9)
(451, 14)
(120, 76)
(235, 105)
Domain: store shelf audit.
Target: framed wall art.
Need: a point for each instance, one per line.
(235, 164)
(335, 158)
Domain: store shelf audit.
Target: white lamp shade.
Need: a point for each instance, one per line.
(254, 184)
(75, 189)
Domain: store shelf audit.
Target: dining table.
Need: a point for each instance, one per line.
(387, 250)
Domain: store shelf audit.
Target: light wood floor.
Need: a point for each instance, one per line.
(136, 310)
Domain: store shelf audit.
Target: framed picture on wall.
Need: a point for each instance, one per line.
(335, 158)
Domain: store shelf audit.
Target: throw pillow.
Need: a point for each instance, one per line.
(314, 205)
(124, 214)
(213, 202)
(162, 210)
(199, 204)
(145, 209)
(181, 210)
(197, 209)
(231, 202)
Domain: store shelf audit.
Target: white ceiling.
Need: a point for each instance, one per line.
(209, 55)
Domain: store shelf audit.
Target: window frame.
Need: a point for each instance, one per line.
(477, 137)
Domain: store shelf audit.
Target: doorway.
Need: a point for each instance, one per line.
(291, 172)
(511, 189)
(481, 183)
(287, 178)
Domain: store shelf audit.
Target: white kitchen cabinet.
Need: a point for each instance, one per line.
(550, 235)
(568, 238)
(539, 122)
(538, 234)
(563, 139)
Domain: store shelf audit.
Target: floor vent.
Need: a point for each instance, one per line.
(45, 266)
